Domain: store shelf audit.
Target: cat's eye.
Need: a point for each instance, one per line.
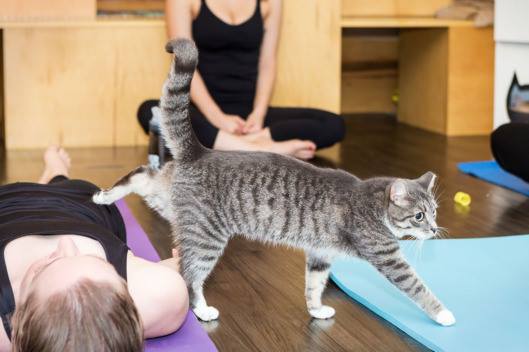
(419, 216)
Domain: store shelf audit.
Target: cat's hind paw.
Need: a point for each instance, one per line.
(102, 197)
(206, 313)
(323, 312)
(445, 318)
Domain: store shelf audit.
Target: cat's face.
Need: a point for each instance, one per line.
(412, 207)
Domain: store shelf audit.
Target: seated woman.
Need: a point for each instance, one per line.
(230, 92)
(69, 282)
(510, 142)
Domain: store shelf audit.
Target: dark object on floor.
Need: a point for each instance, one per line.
(518, 101)
(510, 144)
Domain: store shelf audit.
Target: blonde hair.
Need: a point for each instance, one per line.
(89, 316)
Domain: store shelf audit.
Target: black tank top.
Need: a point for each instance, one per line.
(228, 55)
(56, 209)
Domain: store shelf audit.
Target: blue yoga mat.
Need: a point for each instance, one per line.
(491, 172)
(484, 282)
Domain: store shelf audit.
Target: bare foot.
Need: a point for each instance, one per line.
(300, 149)
(56, 162)
(262, 141)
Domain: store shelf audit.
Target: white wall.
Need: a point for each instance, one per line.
(511, 33)
(511, 21)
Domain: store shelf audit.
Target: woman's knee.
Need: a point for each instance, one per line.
(333, 128)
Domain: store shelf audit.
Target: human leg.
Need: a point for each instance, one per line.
(56, 165)
(262, 141)
(211, 137)
(321, 127)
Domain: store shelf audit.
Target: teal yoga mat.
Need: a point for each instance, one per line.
(484, 282)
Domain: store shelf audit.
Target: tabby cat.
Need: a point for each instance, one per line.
(209, 196)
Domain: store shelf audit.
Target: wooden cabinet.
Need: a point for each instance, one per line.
(45, 10)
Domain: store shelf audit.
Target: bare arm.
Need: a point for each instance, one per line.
(179, 19)
(173, 262)
(267, 66)
(160, 294)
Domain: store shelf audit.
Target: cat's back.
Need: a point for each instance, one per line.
(233, 170)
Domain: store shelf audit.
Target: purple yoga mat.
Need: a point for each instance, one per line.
(191, 337)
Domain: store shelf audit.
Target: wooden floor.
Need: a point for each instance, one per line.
(259, 290)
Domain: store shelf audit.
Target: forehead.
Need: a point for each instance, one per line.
(420, 200)
(65, 272)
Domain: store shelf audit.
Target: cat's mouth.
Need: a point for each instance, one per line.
(420, 237)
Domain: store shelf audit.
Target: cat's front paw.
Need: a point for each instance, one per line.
(445, 318)
(324, 312)
(206, 313)
(102, 197)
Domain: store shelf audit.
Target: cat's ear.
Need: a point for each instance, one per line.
(514, 79)
(398, 193)
(427, 181)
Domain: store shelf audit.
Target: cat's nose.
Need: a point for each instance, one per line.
(434, 230)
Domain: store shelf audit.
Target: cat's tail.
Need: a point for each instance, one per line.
(175, 123)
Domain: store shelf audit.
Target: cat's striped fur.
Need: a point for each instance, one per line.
(210, 196)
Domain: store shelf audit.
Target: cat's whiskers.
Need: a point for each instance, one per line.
(442, 233)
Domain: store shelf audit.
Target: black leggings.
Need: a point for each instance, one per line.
(322, 127)
(510, 146)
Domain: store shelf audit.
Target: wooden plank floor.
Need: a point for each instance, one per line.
(259, 290)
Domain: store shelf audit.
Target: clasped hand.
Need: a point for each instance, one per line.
(234, 124)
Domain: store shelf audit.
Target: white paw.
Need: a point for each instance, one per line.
(324, 312)
(206, 313)
(101, 198)
(445, 318)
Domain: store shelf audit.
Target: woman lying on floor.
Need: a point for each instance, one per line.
(237, 43)
(67, 270)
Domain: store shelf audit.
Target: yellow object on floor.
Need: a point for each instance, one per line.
(462, 198)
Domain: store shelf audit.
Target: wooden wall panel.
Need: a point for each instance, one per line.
(370, 49)
(2, 110)
(46, 10)
(369, 71)
(80, 86)
(392, 7)
(423, 75)
(368, 91)
(470, 81)
(309, 58)
(446, 80)
(130, 5)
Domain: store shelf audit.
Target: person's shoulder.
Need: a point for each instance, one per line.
(5, 344)
(160, 295)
